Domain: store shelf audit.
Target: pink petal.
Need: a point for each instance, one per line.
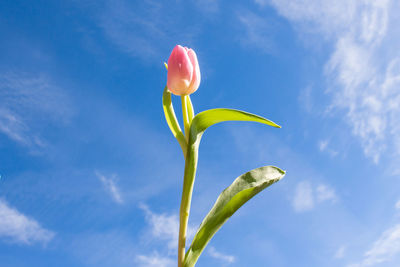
(180, 71)
(195, 81)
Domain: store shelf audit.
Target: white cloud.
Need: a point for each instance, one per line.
(209, 6)
(383, 250)
(142, 29)
(397, 205)
(228, 259)
(307, 196)
(363, 69)
(303, 197)
(325, 193)
(305, 98)
(154, 260)
(107, 248)
(261, 2)
(340, 252)
(257, 32)
(315, 15)
(165, 227)
(17, 227)
(12, 126)
(25, 102)
(323, 146)
(111, 187)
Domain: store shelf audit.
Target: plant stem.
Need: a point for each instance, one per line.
(191, 157)
(185, 114)
(188, 182)
(190, 109)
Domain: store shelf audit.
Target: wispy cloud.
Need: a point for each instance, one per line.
(26, 100)
(398, 205)
(383, 249)
(12, 126)
(303, 198)
(154, 260)
(325, 193)
(340, 252)
(111, 187)
(141, 29)
(363, 66)
(106, 248)
(16, 227)
(227, 259)
(209, 6)
(257, 31)
(324, 146)
(305, 98)
(306, 196)
(165, 227)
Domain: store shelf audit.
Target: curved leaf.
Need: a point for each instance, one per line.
(205, 119)
(171, 119)
(230, 200)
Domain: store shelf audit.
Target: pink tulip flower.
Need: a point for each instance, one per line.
(183, 71)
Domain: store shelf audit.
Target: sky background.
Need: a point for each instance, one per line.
(92, 176)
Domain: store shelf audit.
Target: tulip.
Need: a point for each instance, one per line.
(183, 71)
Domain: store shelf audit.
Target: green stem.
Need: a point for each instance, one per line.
(188, 179)
(185, 114)
(190, 109)
(188, 182)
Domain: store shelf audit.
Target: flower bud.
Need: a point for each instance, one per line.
(183, 71)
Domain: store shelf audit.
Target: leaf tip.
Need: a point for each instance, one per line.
(273, 124)
(282, 172)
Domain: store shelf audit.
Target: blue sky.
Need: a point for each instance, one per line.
(91, 175)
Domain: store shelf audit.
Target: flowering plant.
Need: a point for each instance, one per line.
(183, 79)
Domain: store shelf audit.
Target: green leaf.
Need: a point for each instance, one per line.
(230, 200)
(172, 121)
(205, 119)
